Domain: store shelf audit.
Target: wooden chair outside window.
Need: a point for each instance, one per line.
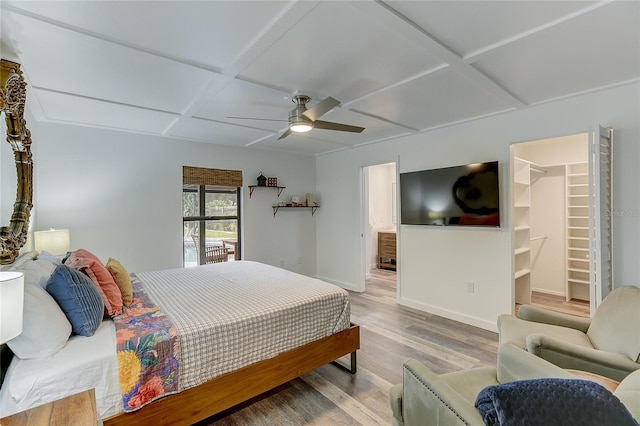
(213, 254)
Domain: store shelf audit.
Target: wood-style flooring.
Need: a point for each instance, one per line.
(559, 303)
(389, 334)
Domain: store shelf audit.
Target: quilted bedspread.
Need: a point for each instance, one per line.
(232, 314)
(551, 402)
(147, 350)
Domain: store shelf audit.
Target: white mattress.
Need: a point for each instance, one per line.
(243, 313)
(84, 363)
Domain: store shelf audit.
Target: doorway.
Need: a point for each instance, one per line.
(379, 221)
(556, 222)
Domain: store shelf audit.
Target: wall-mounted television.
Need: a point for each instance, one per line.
(465, 195)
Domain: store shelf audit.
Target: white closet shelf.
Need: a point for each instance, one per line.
(578, 259)
(521, 273)
(578, 270)
(574, 280)
(521, 228)
(521, 250)
(578, 238)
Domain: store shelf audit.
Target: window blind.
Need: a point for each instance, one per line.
(215, 177)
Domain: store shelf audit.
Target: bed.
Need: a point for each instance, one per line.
(289, 325)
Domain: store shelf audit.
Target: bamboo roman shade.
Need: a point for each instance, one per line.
(215, 177)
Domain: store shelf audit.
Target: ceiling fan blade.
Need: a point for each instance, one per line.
(328, 125)
(285, 134)
(254, 118)
(321, 108)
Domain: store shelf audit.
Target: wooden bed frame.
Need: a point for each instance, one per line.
(228, 390)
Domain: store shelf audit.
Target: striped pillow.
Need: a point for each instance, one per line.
(78, 298)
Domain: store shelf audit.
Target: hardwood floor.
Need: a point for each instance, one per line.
(559, 304)
(389, 335)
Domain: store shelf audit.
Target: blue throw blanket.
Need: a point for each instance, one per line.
(551, 402)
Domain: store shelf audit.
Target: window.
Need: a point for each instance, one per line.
(211, 216)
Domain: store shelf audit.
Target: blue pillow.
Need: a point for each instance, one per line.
(78, 298)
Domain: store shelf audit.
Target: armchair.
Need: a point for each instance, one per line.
(424, 398)
(608, 344)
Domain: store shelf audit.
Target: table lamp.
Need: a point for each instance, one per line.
(11, 302)
(55, 241)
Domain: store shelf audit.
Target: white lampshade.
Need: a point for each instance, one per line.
(55, 241)
(11, 301)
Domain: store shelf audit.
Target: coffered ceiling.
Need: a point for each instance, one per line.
(180, 68)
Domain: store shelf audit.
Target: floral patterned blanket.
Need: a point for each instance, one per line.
(148, 351)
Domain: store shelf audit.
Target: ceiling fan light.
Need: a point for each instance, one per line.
(300, 127)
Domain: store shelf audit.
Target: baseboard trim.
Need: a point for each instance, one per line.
(551, 292)
(344, 285)
(453, 315)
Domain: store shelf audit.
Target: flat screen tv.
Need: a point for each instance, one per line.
(452, 196)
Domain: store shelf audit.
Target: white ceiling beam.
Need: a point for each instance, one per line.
(413, 32)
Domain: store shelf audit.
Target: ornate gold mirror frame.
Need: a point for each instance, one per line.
(13, 94)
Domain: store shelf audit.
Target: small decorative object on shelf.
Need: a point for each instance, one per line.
(295, 200)
(262, 181)
(272, 181)
(308, 199)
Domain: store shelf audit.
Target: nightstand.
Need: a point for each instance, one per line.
(78, 410)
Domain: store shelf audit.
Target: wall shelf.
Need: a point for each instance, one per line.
(276, 208)
(252, 187)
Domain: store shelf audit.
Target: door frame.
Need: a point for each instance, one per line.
(364, 223)
(593, 134)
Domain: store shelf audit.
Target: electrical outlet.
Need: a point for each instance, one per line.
(470, 287)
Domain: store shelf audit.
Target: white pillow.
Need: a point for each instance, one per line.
(45, 328)
(45, 255)
(37, 272)
(20, 260)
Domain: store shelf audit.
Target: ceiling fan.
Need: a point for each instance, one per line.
(303, 120)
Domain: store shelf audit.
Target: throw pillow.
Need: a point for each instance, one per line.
(37, 272)
(78, 298)
(122, 279)
(87, 262)
(45, 328)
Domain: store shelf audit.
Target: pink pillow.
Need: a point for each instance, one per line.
(88, 263)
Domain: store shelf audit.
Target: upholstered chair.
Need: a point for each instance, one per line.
(424, 398)
(608, 344)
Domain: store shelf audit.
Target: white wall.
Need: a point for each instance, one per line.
(120, 196)
(548, 220)
(434, 264)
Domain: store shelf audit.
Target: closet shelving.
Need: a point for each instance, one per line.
(522, 229)
(577, 191)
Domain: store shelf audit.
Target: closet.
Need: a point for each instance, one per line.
(550, 223)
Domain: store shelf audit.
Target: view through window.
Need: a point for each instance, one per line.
(211, 224)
